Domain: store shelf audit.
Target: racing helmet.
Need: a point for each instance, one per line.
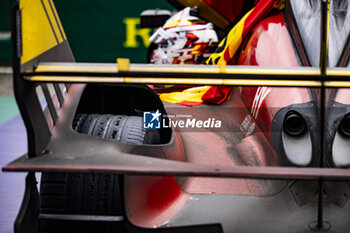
(184, 39)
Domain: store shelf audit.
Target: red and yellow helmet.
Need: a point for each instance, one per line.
(184, 39)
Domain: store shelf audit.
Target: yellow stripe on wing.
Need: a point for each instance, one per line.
(41, 28)
(37, 35)
(52, 20)
(58, 19)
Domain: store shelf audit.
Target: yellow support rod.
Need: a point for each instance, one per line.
(338, 72)
(187, 74)
(337, 84)
(157, 80)
(174, 69)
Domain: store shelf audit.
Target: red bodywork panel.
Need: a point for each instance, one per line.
(270, 45)
(152, 201)
(343, 95)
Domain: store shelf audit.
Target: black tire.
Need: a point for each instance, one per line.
(90, 194)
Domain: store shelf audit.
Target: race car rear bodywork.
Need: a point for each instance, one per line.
(262, 161)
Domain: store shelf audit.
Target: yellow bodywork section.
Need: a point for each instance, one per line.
(231, 43)
(191, 94)
(41, 28)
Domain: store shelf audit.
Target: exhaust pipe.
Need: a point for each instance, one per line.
(338, 135)
(294, 124)
(295, 137)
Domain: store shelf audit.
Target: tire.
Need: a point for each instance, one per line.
(90, 194)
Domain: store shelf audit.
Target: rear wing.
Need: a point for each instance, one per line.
(37, 35)
(46, 58)
(42, 57)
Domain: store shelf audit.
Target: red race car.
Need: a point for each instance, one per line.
(241, 124)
